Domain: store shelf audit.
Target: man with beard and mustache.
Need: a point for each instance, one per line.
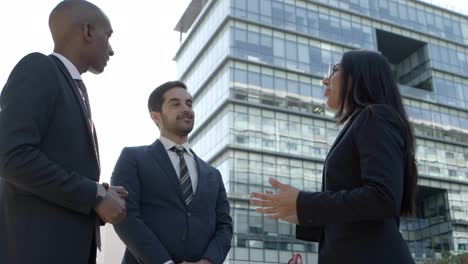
(177, 208)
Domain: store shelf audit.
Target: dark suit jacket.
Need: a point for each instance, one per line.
(159, 226)
(356, 219)
(48, 167)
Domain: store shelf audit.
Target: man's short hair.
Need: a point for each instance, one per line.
(156, 98)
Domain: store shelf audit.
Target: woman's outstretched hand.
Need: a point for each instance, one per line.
(280, 205)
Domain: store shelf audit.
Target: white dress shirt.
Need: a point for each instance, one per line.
(175, 160)
(75, 74)
(188, 157)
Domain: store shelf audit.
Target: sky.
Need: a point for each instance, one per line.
(458, 5)
(144, 43)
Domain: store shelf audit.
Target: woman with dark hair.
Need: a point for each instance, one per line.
(369, 176)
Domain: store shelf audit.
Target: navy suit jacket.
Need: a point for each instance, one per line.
(159, 225)
(48, 167)
(355, 218)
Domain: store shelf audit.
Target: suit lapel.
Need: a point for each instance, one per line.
(202, 176)
(97, 147)
(162, 158)
(339, 137)
(335, 143)
(72, 86)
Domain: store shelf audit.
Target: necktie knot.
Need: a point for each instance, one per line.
(179, 150)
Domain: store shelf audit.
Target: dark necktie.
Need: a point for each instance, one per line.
(184, 176)
(84, 94)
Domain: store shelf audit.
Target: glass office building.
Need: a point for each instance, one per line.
(254, 68)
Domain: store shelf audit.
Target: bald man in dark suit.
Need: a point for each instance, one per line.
(51, 203)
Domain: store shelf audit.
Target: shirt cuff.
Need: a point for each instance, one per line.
(169, 262)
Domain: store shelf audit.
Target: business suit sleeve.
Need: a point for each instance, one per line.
(139, 239)
(309, 233)
(378, 138)
(27, 103)
(220, 244)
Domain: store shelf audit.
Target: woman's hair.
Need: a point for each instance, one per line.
(366, 79)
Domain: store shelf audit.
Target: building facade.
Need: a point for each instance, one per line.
(254, 68)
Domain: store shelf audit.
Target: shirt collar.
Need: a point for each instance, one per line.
(168, 144)
(75, 74)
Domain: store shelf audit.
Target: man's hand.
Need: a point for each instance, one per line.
(119, 190)
(112, 207)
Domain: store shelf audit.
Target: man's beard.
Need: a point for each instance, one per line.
(178, 131)
(184, 132)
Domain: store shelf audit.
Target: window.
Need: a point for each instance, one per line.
(278, 47)
(290, 17)
(301, 20)
(254, 79)
(266, 47)
(291, 50)
(278, 13)
(267, 81)
(240, 76)
(434, 170)
(452, 173)
(280, 84)
(252, 6)
(240, 7)
(312, 22)
(265, 9)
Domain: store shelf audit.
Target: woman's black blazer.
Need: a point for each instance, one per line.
(356, 218)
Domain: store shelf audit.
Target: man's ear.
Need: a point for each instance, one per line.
(156, 117)
(87, 32)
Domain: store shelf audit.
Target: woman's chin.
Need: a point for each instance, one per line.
(330, 106)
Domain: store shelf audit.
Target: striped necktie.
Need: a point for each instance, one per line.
(184, 176)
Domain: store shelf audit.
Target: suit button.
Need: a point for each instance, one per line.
(189, 214)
